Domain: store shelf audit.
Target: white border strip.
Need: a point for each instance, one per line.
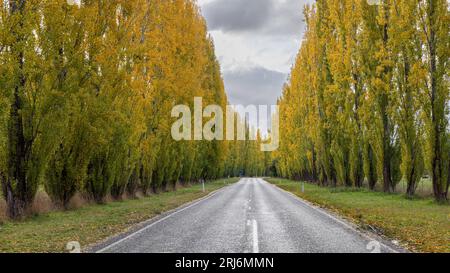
(160, 220)
(332, 217)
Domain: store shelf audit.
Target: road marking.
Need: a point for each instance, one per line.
(159, 221)
(255, 237)
(325, 213)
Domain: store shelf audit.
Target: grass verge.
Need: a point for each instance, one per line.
(421, 225)
(51, 232)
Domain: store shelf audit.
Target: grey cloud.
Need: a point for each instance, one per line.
(257, 86)
(237, 15)
(274, 17)
(287, 18)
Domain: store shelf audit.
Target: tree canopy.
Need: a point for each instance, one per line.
(368, 96)
(86, 92)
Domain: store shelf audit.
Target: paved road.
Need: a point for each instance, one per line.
(250, 216)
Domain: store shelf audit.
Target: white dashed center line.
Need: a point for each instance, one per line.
(255, 237)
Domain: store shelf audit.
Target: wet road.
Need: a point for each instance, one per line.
(251, 216)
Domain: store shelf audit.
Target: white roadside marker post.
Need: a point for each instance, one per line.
(203, 185)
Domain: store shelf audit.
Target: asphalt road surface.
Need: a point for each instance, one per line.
(251, 216)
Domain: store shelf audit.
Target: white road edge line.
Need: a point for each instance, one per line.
(255, 237)
(160, 220)
(333, 218)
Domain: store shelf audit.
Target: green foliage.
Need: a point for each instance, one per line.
(32, 104)
(420, 224)
(86, 93)
(367, 96)
(94, 223)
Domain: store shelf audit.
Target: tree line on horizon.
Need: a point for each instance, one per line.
(368, 97)
(86, 92)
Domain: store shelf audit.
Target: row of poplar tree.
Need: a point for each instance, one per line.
(368, 97)
(86, 92)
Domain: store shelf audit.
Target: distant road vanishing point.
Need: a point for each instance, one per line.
(251, 216)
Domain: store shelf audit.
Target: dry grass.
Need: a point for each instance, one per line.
(135, 196)
(180, 186)
(420, 224)
(139, 194)
(51, 231)
(78, 201)
(108, 199)
(41, 204)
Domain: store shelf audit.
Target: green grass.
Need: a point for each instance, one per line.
(420, 224)
(52, 231)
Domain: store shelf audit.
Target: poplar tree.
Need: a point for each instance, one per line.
(29, 101)
(434, 25)
(368, 96)
(408, 81)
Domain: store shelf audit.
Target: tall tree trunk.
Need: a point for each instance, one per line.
(387, 154)
(314, 168)
(410, 133)
(448, 173)
(359, 176)
(18, 197)
(440, 192)
(372, 175)
(384, 101)
(412, 183)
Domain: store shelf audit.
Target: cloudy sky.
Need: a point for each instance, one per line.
(256, 43)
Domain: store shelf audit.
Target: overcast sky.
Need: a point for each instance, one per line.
(256, 43)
